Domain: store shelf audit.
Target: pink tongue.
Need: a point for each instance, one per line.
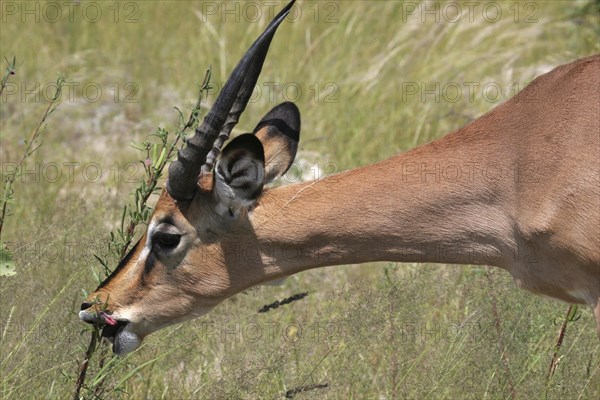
(109, 320)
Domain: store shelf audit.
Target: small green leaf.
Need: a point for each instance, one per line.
(7, 266)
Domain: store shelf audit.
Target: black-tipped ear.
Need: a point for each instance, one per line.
(240, 172)
(279, 133)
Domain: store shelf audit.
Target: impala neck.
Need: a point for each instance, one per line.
(440, 203)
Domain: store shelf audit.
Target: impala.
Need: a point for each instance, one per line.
(518, 188)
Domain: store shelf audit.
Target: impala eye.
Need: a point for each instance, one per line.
(167, 240)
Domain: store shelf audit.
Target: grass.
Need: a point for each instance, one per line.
(369, 331)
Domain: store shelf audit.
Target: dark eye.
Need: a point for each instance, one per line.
(167, 240)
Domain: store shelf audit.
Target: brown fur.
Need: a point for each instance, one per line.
(527, 200)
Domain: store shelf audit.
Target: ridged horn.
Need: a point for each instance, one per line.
(224, 114)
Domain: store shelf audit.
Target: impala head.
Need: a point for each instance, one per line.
(180, 268)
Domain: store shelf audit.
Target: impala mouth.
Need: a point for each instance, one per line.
(118, 331)
(111, 330)
(121, 336)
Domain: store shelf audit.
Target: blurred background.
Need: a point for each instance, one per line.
(371, 79)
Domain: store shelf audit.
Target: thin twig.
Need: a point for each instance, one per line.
(559, 340)
(292, 392)
(501, 344)
(287, 300)
(394, 356)
(84, 365)
(152, 180)
(36, 132)
(11, 69)
(29, 150)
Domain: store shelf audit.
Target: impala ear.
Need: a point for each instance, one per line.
(249, 161)
(279, 132)
(240, 172)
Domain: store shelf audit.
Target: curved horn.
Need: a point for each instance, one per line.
(224, 114)
(243, 96)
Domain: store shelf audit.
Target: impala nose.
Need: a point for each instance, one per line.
(89, 316)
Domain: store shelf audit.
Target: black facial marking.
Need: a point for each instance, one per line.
(149, 264)
(123, 262)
